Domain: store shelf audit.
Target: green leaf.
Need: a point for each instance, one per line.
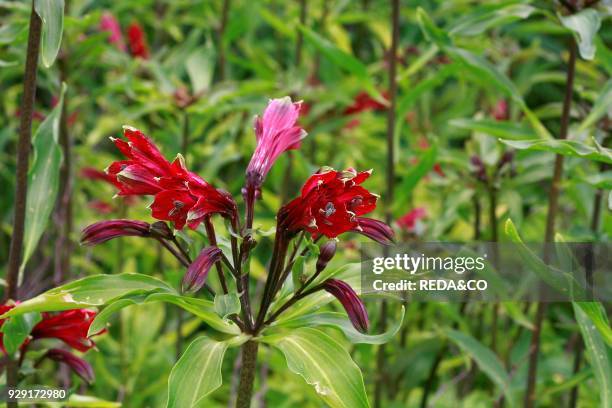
(598, 353)
(341, 322)
(196, 374)
(201, 308)
(584, 25)
(344, 61)
(601, 107)
(200, 67)
(17, 329)
(51, 12)
(597, 314)
(481, 69)
(563, 147)
(561, 281)
(87, 401)
(486, 360)
(91, 291)
(227, 305)
(297, 272)
(43, 180)
(432, 32)
(500, 129)
(426, 161)
(479, 22)
(324, 364)
(601, 180)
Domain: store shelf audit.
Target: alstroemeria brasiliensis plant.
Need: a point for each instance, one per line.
(330, 204)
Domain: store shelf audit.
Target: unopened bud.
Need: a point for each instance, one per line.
(328, 250)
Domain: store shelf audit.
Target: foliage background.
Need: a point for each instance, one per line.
(444, 117)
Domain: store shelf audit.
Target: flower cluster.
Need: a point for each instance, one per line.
(330, 203)
(181, 196)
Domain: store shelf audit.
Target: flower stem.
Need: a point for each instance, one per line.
(21, 185)
(395, 11)
(553, 201)
(221, 46)
(212, 240)
(247, 374)
(23, 153)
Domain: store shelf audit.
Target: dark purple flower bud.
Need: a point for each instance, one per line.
(476, 161)
(80, 367)
(506, 158)
(328, 250)
(103, 231)
(198, 270)
(160, 229)
(375, 230)
(357, 313)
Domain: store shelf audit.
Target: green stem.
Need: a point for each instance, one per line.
(247, 374)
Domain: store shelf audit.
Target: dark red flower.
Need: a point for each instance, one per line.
(80, 367)
(364, 102)
(103, 231)
(94, 174)
(70, 326)
(357, 313)
(437, 168)
(330, 204)
(137, 41)
(197, 272)
(409, 220)
(180, 195)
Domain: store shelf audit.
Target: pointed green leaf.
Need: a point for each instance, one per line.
(563, 147)
(324, 364)
(196, 374)
(597, 314)
(17, 329)
(598, 353)
(426, 162)
(341, 322)
(91, 291)
(601, 107)
(584, 26)
(43, 180)
(486, 360)
(226, 305)
(51, 12)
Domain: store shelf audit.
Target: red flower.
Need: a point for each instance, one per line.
(375, 230)
(409, 220)
(180, 195)
(330, 203)
(70, 326)
(364, 102)
(357, 313)
(137, 41)
(94, 174)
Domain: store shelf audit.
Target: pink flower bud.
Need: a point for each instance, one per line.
(103, 231)
(197, 272)
(357, 313)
